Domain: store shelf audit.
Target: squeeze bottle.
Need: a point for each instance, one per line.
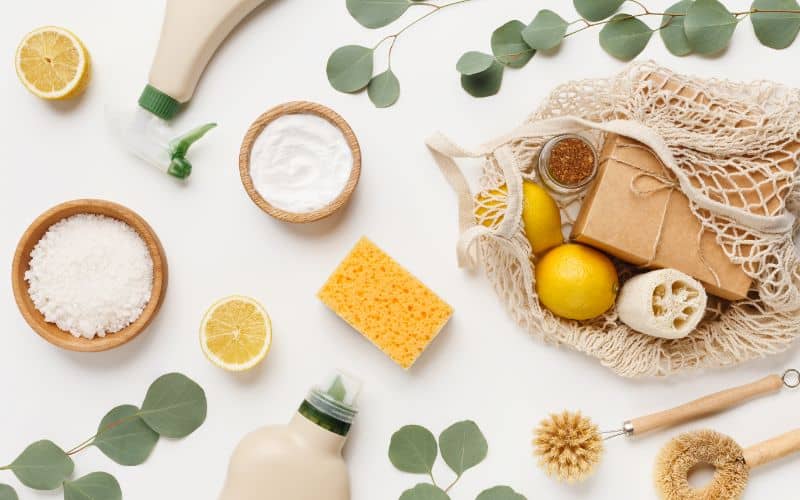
(191, 33)
(301, 460)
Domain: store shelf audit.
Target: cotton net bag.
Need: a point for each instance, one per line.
(696, 127)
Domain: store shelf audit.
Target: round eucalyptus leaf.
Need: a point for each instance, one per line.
(42, 466)
(546, 31)
(413, 449)
(486, 83)
(377, 13)
(597, 10)
(94, 486)
(508, 46)
(776, 30)
(672, 32)
(709, 26)
(625, 37)
(384, 90)
(124, 437)
(463, 446)
(350, 68)
(175, 406)
(424, 491)
(7, 493)
(474, 62)
(500, 493)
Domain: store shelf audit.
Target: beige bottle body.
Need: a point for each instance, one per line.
(298, 461)
(191, 34)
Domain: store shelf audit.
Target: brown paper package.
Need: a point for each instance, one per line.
(622, 216)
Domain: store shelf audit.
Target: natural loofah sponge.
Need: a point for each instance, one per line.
(385, 303)
(569, 446)
(682, 454)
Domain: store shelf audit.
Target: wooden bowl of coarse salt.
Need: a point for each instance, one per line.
(105, 244)
(300, 162)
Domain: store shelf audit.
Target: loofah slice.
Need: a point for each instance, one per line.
(569, 446)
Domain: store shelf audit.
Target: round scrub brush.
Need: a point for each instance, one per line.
(732, 463)
(570, 446)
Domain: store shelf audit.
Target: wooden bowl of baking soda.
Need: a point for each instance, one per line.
(300, 162)
(89, 275)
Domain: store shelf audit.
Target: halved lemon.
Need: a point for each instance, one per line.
(52, 63)
(236, 333)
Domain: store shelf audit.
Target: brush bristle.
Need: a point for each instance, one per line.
(569, 446)
(677, 459)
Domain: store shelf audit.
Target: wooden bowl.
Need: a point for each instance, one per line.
(295, 108)
(49, 331)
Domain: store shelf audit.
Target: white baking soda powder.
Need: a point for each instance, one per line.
(300, 163)
(90, 275)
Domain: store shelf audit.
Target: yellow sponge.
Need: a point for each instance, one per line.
(385, 303)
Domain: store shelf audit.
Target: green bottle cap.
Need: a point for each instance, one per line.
(159, 103)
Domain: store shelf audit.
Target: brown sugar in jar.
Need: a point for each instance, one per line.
(567, 163)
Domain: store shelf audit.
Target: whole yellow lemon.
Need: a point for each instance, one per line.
(576, 282)
(541, 218)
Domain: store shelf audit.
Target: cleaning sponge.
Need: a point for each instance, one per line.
(385, 303)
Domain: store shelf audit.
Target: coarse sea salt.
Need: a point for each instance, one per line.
(90, 275)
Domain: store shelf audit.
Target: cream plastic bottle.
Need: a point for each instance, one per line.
(191, 33)
(301, 460)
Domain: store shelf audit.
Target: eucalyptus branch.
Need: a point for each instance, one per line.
(127, 435)
(690, 26)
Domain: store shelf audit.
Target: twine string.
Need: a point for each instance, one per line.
(665, 181)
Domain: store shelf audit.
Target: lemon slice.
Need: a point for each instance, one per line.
(53, 63)
(236, 333)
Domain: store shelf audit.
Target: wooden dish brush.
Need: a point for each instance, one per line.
(570, 446)
(731, 462)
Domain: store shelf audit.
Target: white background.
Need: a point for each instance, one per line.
(481, 367)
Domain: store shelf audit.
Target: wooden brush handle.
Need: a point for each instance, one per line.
(772, 450)
(706, 406)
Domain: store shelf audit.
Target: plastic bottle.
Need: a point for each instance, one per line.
(301, 460)
(191, 33)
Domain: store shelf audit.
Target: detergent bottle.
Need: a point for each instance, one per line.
(191, 33)
(303, 459)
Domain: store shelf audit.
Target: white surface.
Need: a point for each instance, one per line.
(218, 243)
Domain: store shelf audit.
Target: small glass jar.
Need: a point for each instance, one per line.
(556, 183)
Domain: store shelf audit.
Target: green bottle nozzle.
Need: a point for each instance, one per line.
(179, 166)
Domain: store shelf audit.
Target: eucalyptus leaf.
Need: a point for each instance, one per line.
(124, 437)
(175, 406)
(377, 13)
(625, 37)
(776, 30)
(42, 466)
(709, 26)
(474, 62)
(672, 31)
(486, 83)
(597, 10)
(7, 493)
(94, 486)
(508, 46)
(350, 68)
(500, 493)
(424, 491)
(546, 31)
(463, 446)
(384, 91)
(413, 449)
